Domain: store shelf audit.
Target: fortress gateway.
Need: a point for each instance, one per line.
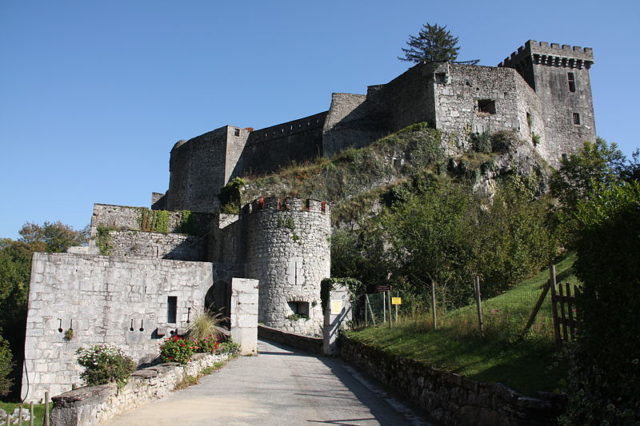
(148, 273)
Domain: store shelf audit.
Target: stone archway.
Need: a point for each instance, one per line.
(218, 298)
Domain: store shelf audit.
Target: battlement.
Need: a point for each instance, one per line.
(552, 54)
(301, 125)
(286, 204)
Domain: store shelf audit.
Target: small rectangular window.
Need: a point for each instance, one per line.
(572, 81)
(172, 309)
(236, 132)
(576, 118)
(486, 106)
(441, 77)
(300, 309)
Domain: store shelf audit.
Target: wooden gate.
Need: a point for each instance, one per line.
(563, 309)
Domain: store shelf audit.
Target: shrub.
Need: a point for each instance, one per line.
(604, 381)
(206, 325)
(208, 344)
(105, 364)
(177, 349)
(229, 347)
(6, 366)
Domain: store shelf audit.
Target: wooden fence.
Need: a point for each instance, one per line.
(563, 309)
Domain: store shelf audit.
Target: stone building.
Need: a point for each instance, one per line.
(148, 273)
(542, 91)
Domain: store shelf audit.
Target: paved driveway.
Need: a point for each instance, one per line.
(280, 386)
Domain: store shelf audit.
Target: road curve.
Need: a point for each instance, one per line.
(280, 386)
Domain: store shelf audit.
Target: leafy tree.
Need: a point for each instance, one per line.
(52, 237)
(604, 381)
(6, 366)
(513, 239)
(428, 238)
(432, 44)
(597, 165)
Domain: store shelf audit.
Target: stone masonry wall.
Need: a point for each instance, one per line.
(288, 250)
(197, 172)
(156, 245)
(129, 218)
(94, 405)
(116, 300)
(451, 399)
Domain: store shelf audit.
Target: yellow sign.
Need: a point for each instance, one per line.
(396, 300)
(336, 307)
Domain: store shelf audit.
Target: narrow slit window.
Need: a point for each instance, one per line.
(572, 81)
(172, 309)
(236, 132)
(576, 118)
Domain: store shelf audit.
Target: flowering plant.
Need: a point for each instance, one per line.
(208, 344)
(177, 349)
(104, 364)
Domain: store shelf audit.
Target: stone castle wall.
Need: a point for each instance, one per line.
(130, 218)
(116, 300)
(156, 245)
(288, 250)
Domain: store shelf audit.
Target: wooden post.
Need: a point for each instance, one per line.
(8, 420)
(572, 324)
(46, 408)
(32, 420)
(19, 414)
(554, 308)
(366, 314)
(433, 305)
(373, 317)
(476, 286)
(396, 314)
(384, 307)
(388, 294)
(563, 314)
(536, 308)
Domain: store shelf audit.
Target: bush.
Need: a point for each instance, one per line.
(206, 325)
(604, 381)
(229, 347)
(177, 349)
(6, 366)
(208, 344)
(105, 364)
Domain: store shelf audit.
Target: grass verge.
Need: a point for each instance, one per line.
(38, 410)
(527, 365)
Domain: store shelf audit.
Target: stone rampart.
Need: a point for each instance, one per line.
(132, 218)
(449, 398)
(128, 302)
(94, 405)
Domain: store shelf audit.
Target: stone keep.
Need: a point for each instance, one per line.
(542, 92)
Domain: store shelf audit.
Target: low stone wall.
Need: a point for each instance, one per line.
(156, 245)
(298, 341)
(94, 405)
(448, 397)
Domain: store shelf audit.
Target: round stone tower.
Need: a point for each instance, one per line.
(288, 251)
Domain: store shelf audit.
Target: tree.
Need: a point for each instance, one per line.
(604, 380)
(432, 44)
(53, 237)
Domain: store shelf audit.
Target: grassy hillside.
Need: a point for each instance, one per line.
(527, 365)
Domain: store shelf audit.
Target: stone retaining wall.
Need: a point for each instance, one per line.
(94, 405)
(448, 397)
(298, 341)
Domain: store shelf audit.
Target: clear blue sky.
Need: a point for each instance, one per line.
(93, 95)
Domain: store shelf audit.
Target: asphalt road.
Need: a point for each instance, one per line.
(280, 386)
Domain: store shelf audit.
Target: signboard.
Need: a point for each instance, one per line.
(383, 288)
(336, 307)
(396, 300)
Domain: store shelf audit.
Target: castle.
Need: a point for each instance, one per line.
(147, 273)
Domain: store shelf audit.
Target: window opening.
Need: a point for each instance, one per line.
(236, 132)
(487, 106)
(441, 77)
(300, 309)
(576, 118)
(172, 309)
(572, 82)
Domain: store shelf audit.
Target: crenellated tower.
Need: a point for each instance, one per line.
(559, 74)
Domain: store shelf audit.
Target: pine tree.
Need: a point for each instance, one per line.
(432, 44)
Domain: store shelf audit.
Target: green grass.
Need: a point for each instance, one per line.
(37, 408)
(527, 365)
